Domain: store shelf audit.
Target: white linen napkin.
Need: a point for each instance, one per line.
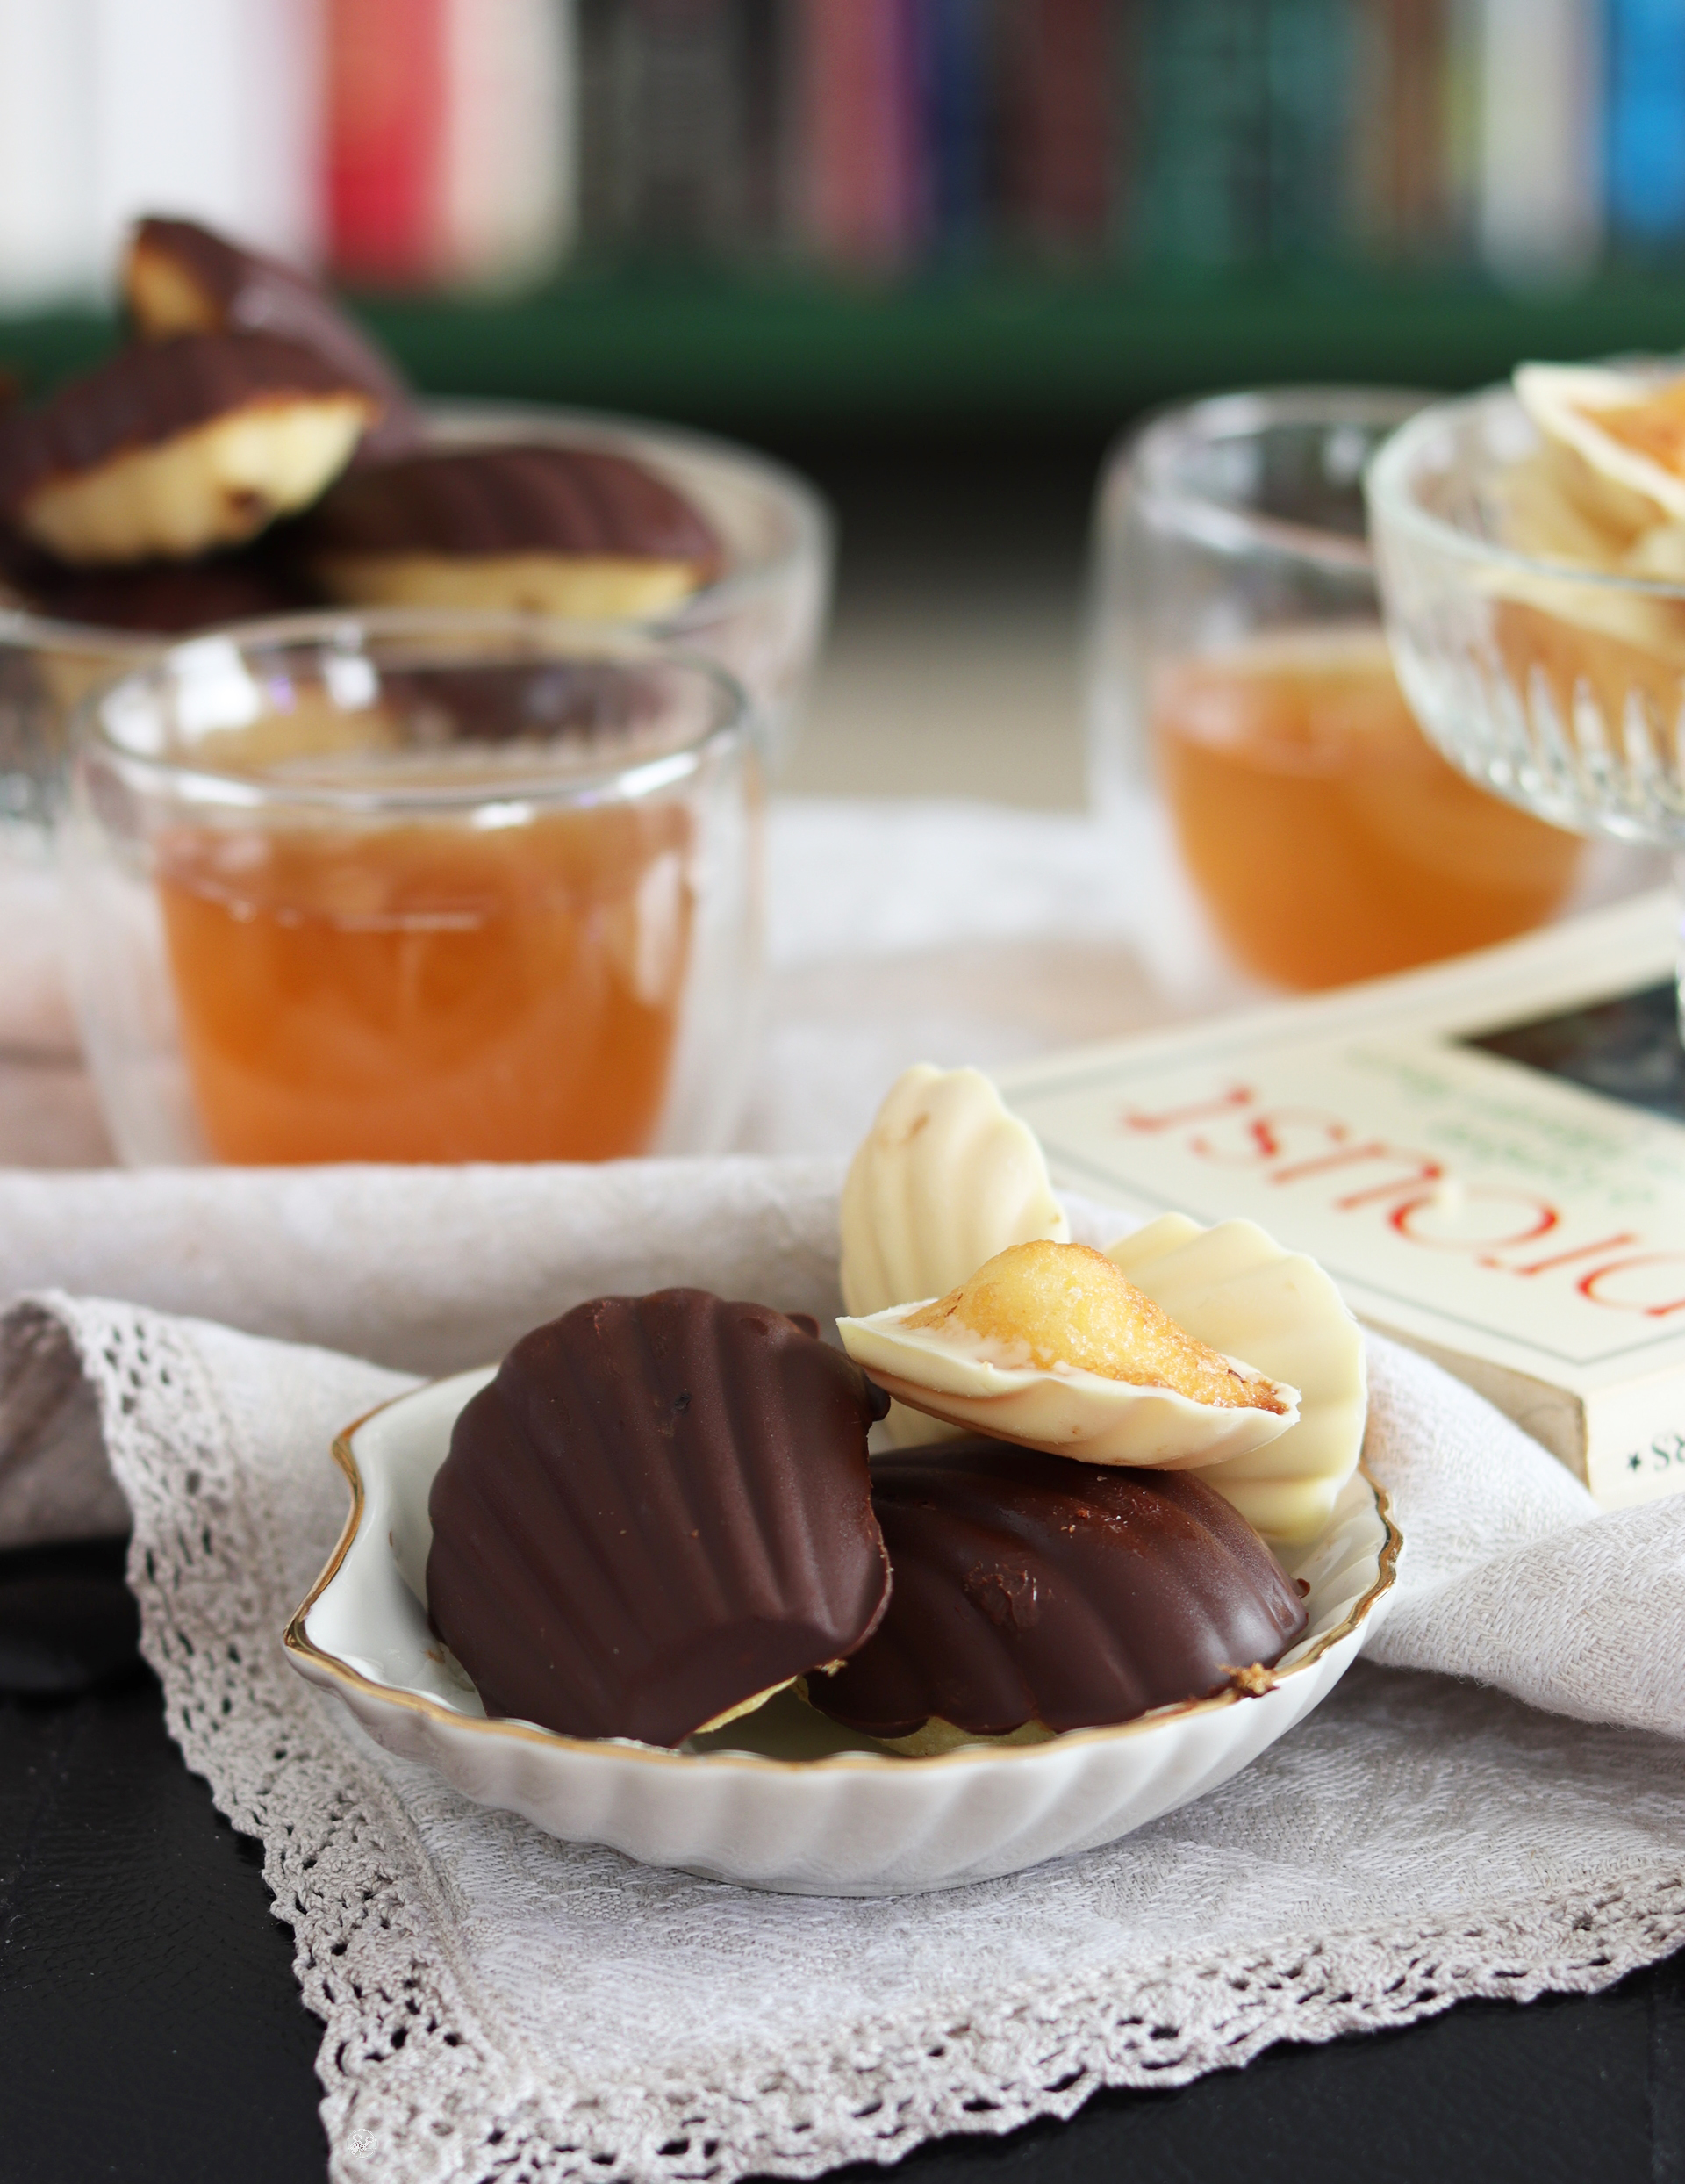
(1422, 1837)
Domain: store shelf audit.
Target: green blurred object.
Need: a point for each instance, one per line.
(1022, 354)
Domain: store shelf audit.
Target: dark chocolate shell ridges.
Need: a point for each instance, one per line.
(245, 291)
(658, 1509)
(147, 395)
(535, 499)
(1029, 1588)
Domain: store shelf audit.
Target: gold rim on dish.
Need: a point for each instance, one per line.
(298, 1644)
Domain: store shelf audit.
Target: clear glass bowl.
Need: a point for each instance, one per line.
(415, 887)
(45, 668)
(1236, 659)
(1559, 687)
(764, 618)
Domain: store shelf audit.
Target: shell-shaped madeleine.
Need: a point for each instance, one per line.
(657, 1514)
(1234, 1287)
(1033, 1591)
(1049, 1345)
(1628, 431)
(945, 1178)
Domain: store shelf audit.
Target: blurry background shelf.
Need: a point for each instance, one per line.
(1032, 355)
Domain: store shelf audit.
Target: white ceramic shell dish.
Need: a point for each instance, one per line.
(785, 1799)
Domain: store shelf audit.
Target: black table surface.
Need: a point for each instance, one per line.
(150, 2028)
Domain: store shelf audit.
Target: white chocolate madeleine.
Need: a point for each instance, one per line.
(1628, 431)
(1234, 1288)
(1048, 1345)
(944, 1178)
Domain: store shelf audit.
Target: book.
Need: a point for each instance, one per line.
(1310, 71)
(955, 59)
(1487, 1155)
(861, 133)
(1643, 128)
(1060, 86)
(385, 64)
(1400, 124)
(506, 180)
(1540, 184)
(51, 246)
(1202, 197)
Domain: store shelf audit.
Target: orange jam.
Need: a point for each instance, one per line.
(1328, 838)
(430, 990)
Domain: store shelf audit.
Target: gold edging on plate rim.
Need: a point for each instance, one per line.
(296, 1640)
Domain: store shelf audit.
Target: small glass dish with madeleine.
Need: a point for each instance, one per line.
(1529, 542)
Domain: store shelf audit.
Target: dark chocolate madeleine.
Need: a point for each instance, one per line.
(572, 531)
(1033, 1590)
(179, 278)
(166, 598)
(659, 1512)
(172, 449)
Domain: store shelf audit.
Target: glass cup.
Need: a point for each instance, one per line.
(1236, 652)
(45, 669)
(763, 617)
(410, 887)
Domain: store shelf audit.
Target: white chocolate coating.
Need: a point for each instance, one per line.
(955, 1375)
(1234, 1287)
(944, 1178)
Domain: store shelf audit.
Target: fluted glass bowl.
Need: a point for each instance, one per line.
(1555, 683)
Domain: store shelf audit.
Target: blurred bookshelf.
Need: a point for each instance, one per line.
(1040, 355)
(810, 217)
(807, 217)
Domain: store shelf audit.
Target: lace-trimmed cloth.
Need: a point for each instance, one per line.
(498, 2003)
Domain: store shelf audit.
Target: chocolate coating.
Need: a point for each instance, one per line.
(168, 598)
(148, 395)
(661, 1507)
(1029, 1588)
(512, 501)
(229, 289)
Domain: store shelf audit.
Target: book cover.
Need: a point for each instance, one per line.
(1487, 1155)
